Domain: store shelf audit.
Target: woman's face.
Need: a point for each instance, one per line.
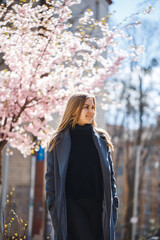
(87, 113)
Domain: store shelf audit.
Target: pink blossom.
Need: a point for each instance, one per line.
(46, 63)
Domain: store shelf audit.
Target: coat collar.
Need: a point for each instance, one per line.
(64, 147)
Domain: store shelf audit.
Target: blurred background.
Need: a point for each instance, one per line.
(128, 107)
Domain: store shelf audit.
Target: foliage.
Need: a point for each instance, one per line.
(46, 63)
(14, 226)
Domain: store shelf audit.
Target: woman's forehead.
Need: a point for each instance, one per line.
(89, 101)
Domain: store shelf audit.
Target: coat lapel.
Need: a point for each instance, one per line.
(103, 155)
(102, 150)
(63, 153)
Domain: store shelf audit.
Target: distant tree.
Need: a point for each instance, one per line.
(136, 97)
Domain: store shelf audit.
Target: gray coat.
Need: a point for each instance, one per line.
(57, 162)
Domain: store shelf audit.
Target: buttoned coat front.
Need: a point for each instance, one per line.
(57, 162)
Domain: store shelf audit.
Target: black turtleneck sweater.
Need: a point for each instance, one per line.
(84, 173)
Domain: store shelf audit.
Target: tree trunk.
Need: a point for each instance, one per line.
(129, 170)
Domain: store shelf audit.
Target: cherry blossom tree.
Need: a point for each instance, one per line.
(46, 62)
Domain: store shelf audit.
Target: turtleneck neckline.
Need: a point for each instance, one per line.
(82, 129)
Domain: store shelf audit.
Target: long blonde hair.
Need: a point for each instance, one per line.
(70, 118)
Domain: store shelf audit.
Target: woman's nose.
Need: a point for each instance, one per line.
(91, 110)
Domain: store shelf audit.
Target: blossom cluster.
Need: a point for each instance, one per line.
(46, 62)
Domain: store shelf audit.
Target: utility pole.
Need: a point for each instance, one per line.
(4, 186)
(31, 199)
(134, 219)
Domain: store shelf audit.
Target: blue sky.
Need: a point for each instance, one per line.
(122, 9)
(125, 8)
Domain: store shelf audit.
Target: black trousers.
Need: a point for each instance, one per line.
(84, 219)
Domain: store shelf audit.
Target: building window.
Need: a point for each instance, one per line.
(148, 169)
(120, 191)
(147, 209)
(158, 210)
(148, 186)
(159, 172)
(158, 191)
(3, 1)
(119, 171)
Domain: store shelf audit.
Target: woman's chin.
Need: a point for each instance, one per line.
(89, 121)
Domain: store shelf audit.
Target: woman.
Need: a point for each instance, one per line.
(80, 183)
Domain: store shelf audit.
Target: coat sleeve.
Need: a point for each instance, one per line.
(113, 181)
(49, 176)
